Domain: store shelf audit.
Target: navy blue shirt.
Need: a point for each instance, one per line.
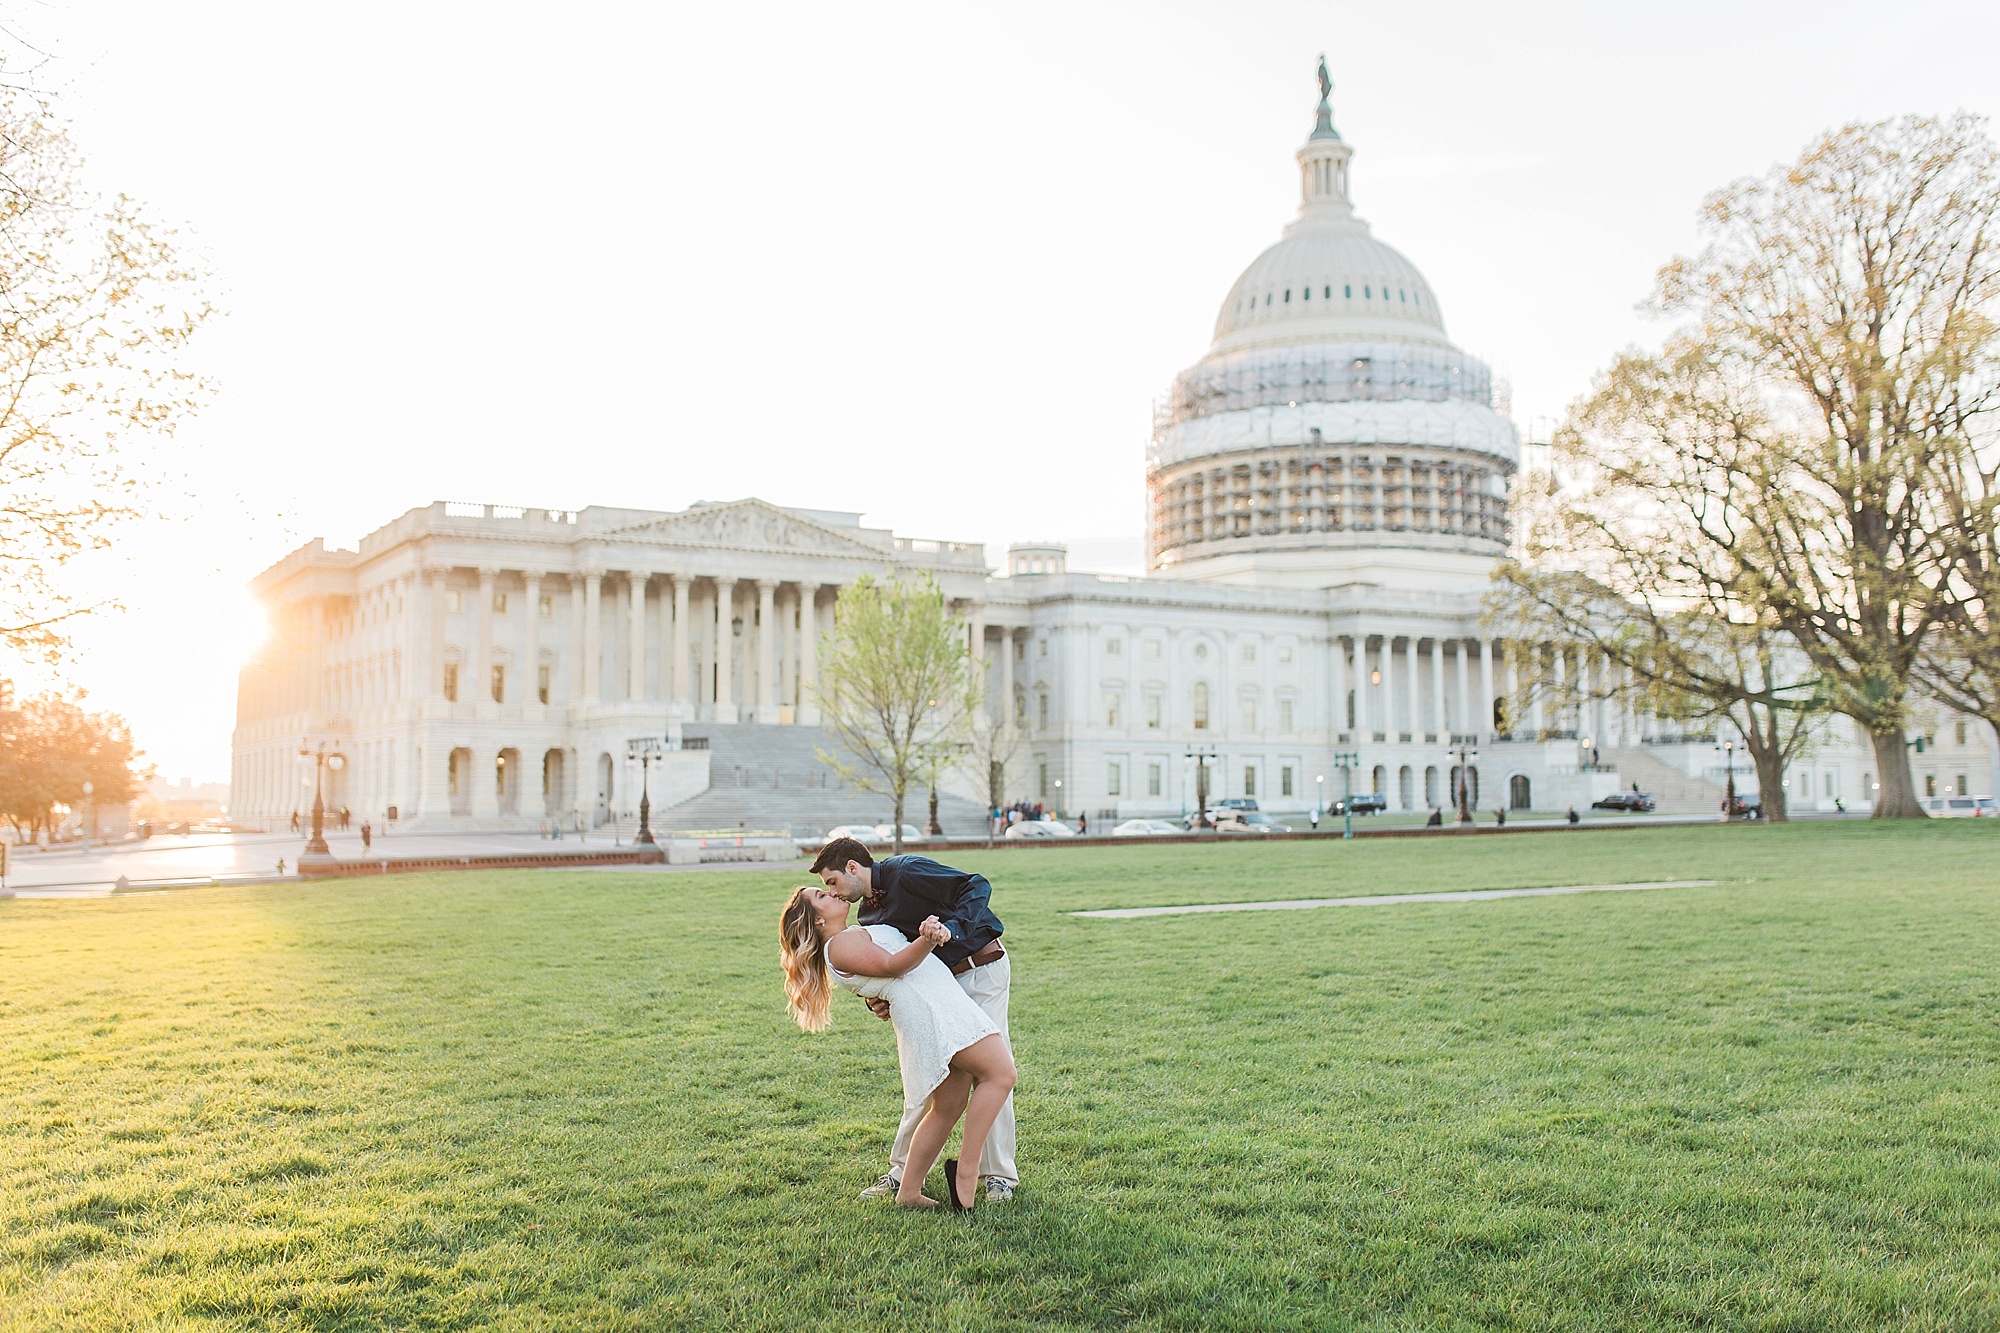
(906, 889)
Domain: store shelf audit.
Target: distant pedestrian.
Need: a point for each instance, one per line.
(1437, 818)
(343, 819)
(1082, 824)
(1635, 787)
(1572, 814)
(367, 835)
(295, 822)
(281, 861)
(1500, 815)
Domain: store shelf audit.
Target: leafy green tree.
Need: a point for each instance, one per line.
(1832, 394)
(897, 688)
(49, 748)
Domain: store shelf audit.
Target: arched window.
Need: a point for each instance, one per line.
(1406, 795)
(1518, 792)
(1201, 705)
(1431, 785)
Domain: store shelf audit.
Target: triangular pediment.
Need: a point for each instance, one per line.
(750, 525)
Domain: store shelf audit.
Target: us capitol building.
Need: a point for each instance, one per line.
(1328, 497)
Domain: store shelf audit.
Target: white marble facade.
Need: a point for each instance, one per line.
(1328, 498)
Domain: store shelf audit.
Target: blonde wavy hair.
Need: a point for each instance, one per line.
(802, 953)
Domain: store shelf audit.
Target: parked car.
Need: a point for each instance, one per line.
(1234, 803)
(1362, 803)
(858, 832)
(911, 833)
(1040, 828)
(1247, 821)
(1747, 807)
(1637, 801)
(1147, 828)
(1961, 807)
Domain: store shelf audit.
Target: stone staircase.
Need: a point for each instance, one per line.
(770, 777)
(1674, 792)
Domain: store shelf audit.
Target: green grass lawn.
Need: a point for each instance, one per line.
(574, 1100)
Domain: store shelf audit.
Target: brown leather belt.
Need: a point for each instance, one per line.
(992, 953)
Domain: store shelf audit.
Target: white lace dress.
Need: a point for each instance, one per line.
(933, 1018)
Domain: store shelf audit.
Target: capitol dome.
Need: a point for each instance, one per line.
(1333, 433)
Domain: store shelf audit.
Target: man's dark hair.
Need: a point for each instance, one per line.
(836, 854)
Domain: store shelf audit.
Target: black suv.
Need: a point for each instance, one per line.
(1362, 803)
(1624, 800)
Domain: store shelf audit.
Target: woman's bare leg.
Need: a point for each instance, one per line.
(947, 1104)
(990, 1065)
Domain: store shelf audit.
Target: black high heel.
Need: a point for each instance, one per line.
(951, 1186)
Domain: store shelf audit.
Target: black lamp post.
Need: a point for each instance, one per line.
(1466, 754)
(1728, 749)
(645, 749)
(1347, 761)
(316, 849)
(1201, 754)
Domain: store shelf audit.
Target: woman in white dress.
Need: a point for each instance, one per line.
(952, 1055)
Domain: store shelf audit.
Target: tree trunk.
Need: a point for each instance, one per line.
(935, 829)
(1897, 796)
(1770, 783)
(896, 840)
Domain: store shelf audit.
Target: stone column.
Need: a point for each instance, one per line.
(635, 650)
(725, 665)
(1364, 728)
(1467, 723)
(1537, 715)
(767, 651)
(976, 651)
(1485, 720)
(482, 671)
(683, 701)
(531, 636)
(1007, 679)
(1337, 715)
(1440, 723)
(808, 714)
(1558, 682)
(1389, 728)
(1415, 684)
(592, 665)
(433, 620)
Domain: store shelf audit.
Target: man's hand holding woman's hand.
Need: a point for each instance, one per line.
(935, 931)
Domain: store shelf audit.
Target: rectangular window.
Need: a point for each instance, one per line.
(1249, 652)
(499, 685)
(1285, 717)
(1152, 779)
(1930, 784)
(1960, 730)
(547, 607)
(451, 681)
(500, 603)
(1284, 657)
(1111, 710)
(1963, 788)
(1042, 710)
(542, 684)
(1152, 712)
(1041, 781)
(1249, 715)
(452, 601)
(1285, 780)
(1111, 779)
(1041, 647)
(1020, 651)
(1114, 647)
(1152, 650)
(1249, 780)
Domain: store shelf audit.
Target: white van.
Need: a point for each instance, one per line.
(1962, 807)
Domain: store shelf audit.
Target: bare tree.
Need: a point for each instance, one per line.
(984, 759)
(896, 688)
(97, 307)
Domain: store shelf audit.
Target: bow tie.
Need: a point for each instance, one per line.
(874, 900)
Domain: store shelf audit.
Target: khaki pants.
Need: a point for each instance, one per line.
(988, 987)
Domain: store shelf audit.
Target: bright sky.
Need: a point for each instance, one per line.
(933, 262)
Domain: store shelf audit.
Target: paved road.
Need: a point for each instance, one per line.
(70, 872)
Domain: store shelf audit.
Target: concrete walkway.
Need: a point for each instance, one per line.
(1377, 900)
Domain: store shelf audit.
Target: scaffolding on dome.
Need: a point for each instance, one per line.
(1327, 373)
